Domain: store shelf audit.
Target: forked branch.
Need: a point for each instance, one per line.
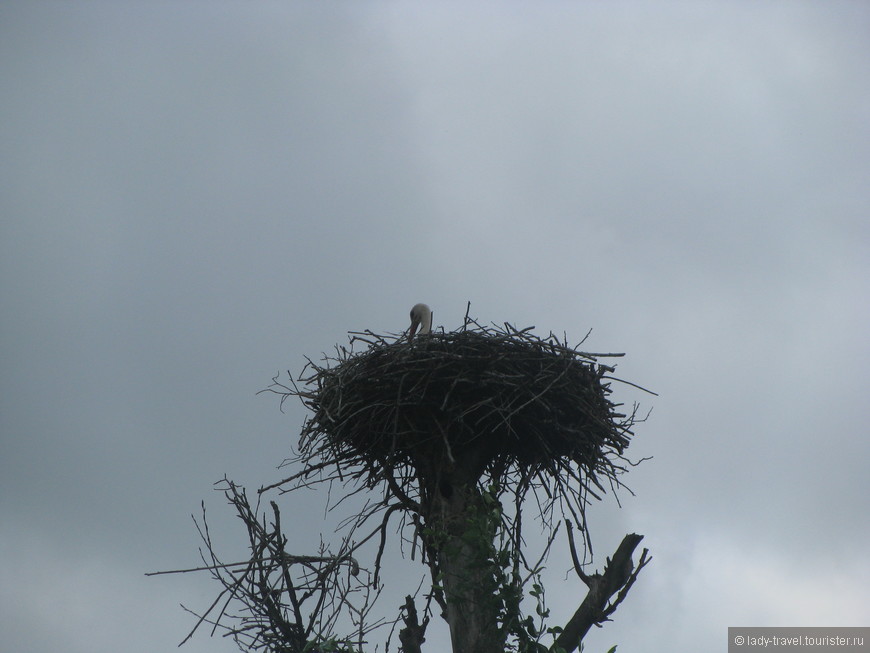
(618, 576)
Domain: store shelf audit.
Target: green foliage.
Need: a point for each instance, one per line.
(496, 554)
(331, 645)
(486, 534)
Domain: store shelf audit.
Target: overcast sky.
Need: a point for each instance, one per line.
(197, 195)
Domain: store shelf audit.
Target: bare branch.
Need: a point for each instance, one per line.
(595, 609)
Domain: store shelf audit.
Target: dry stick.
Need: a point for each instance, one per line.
(285, 567)
(305, 472)
(577, 566)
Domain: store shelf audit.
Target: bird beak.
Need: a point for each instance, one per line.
(414, 325)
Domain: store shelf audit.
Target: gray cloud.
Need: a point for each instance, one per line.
(195, 197)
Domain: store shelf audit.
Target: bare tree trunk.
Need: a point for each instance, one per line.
(464, 554)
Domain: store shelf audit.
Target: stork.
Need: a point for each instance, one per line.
(421, 316)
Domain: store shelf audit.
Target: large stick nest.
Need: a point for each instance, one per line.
(482, 398)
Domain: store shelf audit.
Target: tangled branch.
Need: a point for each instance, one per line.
(287, 603)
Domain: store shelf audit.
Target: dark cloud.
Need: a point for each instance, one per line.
(197, 196)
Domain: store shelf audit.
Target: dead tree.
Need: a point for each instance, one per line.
(277, 601)
(458, 435)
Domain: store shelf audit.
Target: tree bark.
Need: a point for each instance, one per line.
(465, 563)
(413, 634)
(593, 610)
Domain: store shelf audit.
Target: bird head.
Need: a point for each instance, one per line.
(421, 318)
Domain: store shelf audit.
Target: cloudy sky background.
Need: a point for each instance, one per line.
(196, 195)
